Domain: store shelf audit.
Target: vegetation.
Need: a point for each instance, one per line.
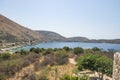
(5, 56)
(93, 59)
(66, 48)
(78, 50)
(96, 49)
(68, 77)
(96, 62)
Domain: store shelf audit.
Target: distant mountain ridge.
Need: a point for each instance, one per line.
(117, 41)
(77, 39)
(50, 36)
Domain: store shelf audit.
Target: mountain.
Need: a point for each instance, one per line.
(11, 31)
(77, 39)
(117, 41)
(49, 36)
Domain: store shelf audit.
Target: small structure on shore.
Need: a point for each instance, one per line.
(116, 66)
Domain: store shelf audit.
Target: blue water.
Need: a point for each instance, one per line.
(104, 46)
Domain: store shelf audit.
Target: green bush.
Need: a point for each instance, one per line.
(68, 77)
(96, 62)
(3, 76)
(66, 48)
(96, 49)
(5, 56)
(32, 49)
(36, 50)
(48, 51)
(24, 52)
(78, 50)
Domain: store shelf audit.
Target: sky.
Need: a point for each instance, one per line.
(95, 19)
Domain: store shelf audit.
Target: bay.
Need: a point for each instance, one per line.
(104, 46)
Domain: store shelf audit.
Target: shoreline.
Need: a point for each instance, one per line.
(13, 49)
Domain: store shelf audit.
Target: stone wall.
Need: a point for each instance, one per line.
(116, 66)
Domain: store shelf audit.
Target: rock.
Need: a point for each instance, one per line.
(116, 66)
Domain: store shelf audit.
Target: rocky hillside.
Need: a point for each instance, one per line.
(11, 31)
(51, 36)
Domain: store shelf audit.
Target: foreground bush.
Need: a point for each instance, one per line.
(78, 50)
(5, 56)
(9, 67)
(58, 58)
(95, 62)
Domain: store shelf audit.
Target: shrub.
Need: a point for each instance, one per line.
(96, 49)
(60, 57)
(32, 49)
(25, 63)
(5, 56)
(66, 48)
(95, 62)
(88, 51)
(36, 50)
(24, 52)
(48, 60)
(48, 51)
(78, 50)
(3, 76)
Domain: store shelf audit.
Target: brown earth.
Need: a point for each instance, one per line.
(11, 31)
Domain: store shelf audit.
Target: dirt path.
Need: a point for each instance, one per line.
(72, 61)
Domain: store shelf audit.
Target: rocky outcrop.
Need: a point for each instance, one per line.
(116, 66)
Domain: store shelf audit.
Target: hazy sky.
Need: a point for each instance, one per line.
(88, 18)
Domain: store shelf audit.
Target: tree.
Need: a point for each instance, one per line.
(23, 52)
(36, 50)
(104, 66)
(32, 49)
(66, 48)
(96, 49)
(78, 50)
(95, 62)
